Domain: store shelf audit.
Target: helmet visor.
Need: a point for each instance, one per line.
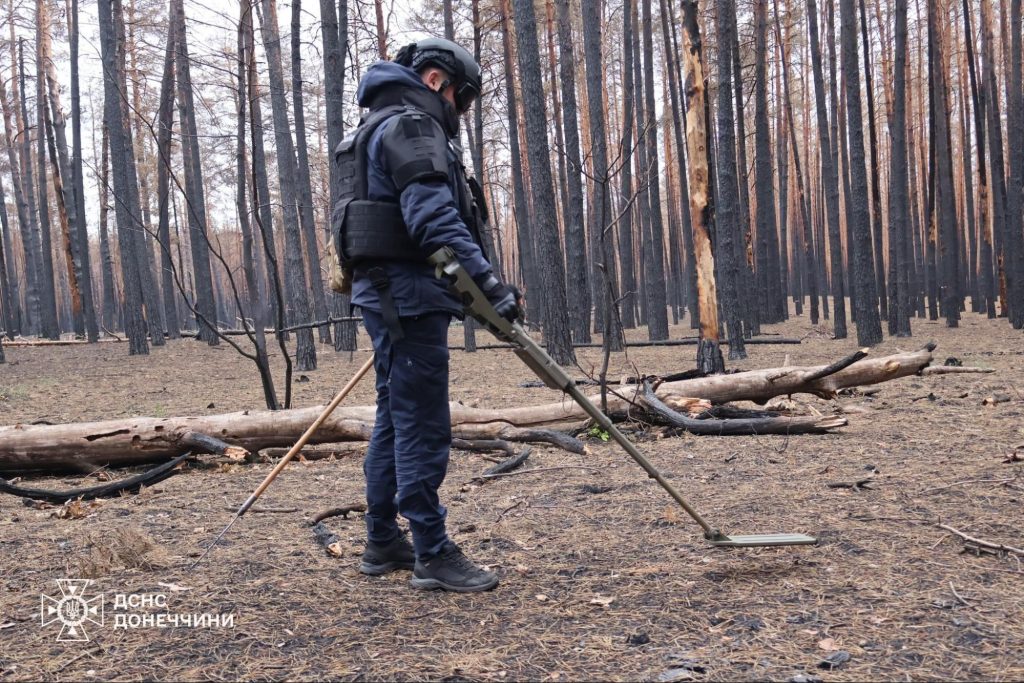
(465, 94)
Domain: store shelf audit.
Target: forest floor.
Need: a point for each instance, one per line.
(602, 577)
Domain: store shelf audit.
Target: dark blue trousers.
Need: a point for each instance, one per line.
(407, 458)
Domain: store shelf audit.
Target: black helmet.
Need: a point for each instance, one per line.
(451, 57)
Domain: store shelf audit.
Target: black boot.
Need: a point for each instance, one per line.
(381, 559)
(451, 570)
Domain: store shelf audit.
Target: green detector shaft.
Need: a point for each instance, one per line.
(538, 360)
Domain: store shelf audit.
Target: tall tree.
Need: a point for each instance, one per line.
(995, 144)
(869, 326)
(944, 201)
(625, 231)
(306, 219)
(84, 261)
(876, 193)
(125, 186)
(295, 279)
(527, 262)
(165, 124)
(25, 218)
(709, 352)
(899, 210)
(986, 284)
(48, 299)
(654, 258)
(1014, 244)
(830, 177)
(195, 191)
(809, 266)
(727, 188)
(334, 31)
(9, 306)
(577, 265)
(552, 268)
(605, 276)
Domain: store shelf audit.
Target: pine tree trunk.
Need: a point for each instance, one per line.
(165, 124)
(788, 267)
(109, 312)
(709, 352)
(625, 228)
(809, 266)
(48, 300)
(124, 184)
(995, 144)
(31, 317)
(295, 279)
(63, 180)
(552, 268)
(309, 232)
(876, 194)
(945, 200)
(335, 41)
(10, 314)
(986, 284)
(1014, 244)
(899, 214)
(84, 261)
(527, 262)
(657, 313)
(195, 191)
(689, 264)
(869, 327)
(261, 184)
(830, 178)
(577, 262)
(744, 245)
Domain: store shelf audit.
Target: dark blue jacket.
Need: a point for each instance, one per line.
(430, 211)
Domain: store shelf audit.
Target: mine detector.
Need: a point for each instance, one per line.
(537, 359)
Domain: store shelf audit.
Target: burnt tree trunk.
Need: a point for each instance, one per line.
(195, 199)
(334, 30)
(830, 178)
(551, 266)
(899, 213)
(307, 221)
(577, 263)
(165, 125)
(125, 186)
(869, 326)
(625, 227)
(84, 262)
(709, 351)
(295, 279)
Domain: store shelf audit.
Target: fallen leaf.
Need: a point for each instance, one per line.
(827, 644)
(540, 597)
(602, 601)
(335, 549)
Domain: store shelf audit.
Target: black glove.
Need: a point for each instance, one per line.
(504, 298)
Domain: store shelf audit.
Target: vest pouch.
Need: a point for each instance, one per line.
(375, 231)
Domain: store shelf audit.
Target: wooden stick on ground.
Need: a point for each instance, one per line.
(983, 543)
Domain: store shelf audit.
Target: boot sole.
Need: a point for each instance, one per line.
(435, 584)
(382, 569)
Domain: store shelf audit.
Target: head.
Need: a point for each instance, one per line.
(446, 68)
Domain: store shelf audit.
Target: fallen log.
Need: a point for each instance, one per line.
(138, 440)
(114, 488)
(745, 426)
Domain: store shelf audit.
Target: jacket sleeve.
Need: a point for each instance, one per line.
(434, 222)
(428, 204)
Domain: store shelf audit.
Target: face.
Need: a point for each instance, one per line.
(435, 78)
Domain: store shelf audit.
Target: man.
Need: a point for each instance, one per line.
(407, 197)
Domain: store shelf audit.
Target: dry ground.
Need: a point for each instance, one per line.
(609, 585)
